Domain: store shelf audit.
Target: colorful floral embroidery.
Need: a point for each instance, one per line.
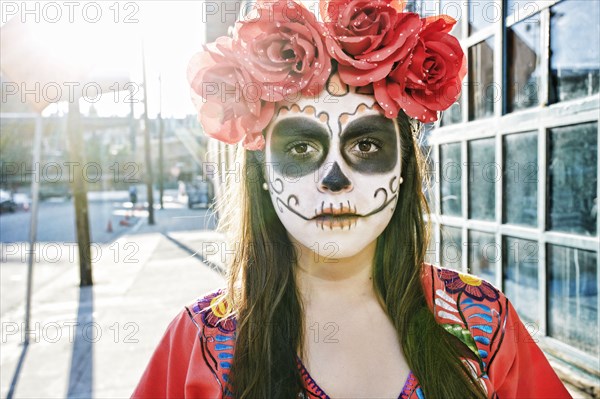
(470, 309)
(217, 336)
(212, 310)
(473, 286)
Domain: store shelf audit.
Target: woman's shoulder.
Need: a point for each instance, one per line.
(216, 333)
(210, 310)
(193, 357)
(468, 307)
(507, 357)
(455, 284)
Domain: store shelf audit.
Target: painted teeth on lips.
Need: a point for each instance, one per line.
(343, 216)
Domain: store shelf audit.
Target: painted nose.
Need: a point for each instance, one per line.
(336, 181)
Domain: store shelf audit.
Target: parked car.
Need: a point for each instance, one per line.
(55, 190)
(6, 202)
(199, 192)
(22, 200)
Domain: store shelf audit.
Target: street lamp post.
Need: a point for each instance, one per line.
(149, 178)
(160, 145)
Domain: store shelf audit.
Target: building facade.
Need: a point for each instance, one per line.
(514, 167)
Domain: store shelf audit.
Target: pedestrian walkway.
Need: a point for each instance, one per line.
(96, 341)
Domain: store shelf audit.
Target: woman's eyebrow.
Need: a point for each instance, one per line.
(300, 126)
(368, 124)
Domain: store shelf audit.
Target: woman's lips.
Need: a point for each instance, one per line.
(342, 216)
(332, 221)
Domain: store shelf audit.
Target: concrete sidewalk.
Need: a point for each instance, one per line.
(96, 341)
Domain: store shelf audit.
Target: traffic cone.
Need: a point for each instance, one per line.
(109, 228)
(124, 222)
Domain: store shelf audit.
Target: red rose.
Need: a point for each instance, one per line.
(432, 80)
(227, 100)
(283, 49)
(368, 37)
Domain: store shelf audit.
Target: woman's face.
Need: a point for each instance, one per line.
(333, 168)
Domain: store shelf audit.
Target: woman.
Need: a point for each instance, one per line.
(328, 294)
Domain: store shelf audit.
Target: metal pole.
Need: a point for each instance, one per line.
(160, 145)
(35, 191)
(147, 143)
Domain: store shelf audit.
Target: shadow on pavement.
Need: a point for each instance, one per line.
(81, 375)
(15, 379)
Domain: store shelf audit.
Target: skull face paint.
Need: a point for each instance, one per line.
(333, 169)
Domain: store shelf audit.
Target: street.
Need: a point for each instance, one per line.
(96, 341)
(56, 220)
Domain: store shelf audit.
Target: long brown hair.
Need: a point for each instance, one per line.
(265, 300)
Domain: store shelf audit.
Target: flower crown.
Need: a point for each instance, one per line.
(281, 52)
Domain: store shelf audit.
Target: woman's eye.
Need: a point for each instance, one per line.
(301, 149)
(366, 147)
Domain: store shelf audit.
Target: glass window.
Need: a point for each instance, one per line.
(483, 13)
(519, 204)
(425, 8)
(520, 259)
(483, 173)
(572, 179)
(451, 248)
(453, 9)
(573, 297)
(451, 179)
(574, 49)
(523, 49)
(520, 8)
(453, 114)
(482, 90)
(484, 253)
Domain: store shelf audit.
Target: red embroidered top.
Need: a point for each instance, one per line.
(194, 356)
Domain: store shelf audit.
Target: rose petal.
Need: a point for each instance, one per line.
(215, 126)
(356, 45)
(384, 100)
(254, 142)
(355, 77)
(409, 24)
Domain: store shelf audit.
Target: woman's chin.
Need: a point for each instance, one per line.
(337, 244)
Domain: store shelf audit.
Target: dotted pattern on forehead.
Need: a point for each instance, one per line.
(307, 110)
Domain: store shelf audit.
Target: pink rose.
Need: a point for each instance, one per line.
(227, 100)
(432, 81)
(368, 37)
(283, 49)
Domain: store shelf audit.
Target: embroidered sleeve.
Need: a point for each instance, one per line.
(509, 362)
(472, 310)
(184, 364)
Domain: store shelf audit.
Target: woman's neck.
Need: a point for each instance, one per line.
(319, 276)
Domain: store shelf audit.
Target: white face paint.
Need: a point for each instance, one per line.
(333, 168)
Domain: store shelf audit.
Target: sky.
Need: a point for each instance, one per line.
(172, 31)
